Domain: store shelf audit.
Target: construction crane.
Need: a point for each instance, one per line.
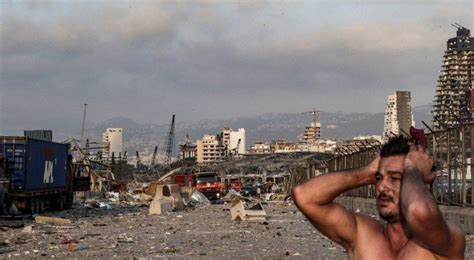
(138, 160)
(83, 125)
(236, 149)
(169, 146)
(153, 158)
(314, 113)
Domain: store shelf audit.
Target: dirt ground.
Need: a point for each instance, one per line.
(126, 231)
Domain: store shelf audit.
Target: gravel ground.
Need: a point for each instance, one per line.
(204, 232)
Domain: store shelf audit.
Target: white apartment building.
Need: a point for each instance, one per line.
(368, 137)
(112, 142)
(236, 144)
(320, 146)
(209, 149)
(398, 115)
(260, 147)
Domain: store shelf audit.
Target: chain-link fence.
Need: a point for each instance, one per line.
(451, 149)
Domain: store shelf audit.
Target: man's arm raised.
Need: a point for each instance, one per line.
(315, 199)
(423, 218)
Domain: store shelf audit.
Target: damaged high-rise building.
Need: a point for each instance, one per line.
(453, 98)
(398, 115)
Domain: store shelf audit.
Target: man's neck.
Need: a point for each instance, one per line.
(397, 236)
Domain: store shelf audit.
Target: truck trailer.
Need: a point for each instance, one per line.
(36, 175)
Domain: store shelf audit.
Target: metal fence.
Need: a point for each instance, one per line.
(451, 149)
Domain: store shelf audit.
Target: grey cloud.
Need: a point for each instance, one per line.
(150, 61)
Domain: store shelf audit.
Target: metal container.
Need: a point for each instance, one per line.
(46, 135)
(36, 165)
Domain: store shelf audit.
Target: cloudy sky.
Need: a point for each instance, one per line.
(214, 59)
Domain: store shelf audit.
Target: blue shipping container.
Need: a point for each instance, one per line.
(36, 165)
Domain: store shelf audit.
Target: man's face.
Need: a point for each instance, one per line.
(387, 187)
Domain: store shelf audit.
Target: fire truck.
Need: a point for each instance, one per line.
(208, 183)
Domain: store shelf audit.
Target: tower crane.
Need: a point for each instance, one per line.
(235, 150)
(314, 113)
(138, 160)
(169, 146)
(153, 158)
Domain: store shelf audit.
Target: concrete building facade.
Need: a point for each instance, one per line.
(312, 133)
(236, 146)
(260, 147)
(188, 150)
(226, 136)
(454, 96)
(398, 115)
(284, 146)
(210, 149)
(320, 146)
(112, 142)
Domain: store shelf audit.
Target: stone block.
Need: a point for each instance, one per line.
(160, 206)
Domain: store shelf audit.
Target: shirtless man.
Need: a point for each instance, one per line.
(415, 227)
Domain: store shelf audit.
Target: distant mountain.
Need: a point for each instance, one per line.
(267, 127)
(119, 122)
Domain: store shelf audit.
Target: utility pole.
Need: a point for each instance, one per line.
(83, 125)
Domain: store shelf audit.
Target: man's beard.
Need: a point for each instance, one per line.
(390, 217)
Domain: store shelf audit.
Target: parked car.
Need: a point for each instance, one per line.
(248, 191)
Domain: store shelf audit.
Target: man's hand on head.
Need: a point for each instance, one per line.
(373, 167)
(420, 158)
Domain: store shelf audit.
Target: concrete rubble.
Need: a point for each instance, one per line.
(52, 220)
(240, 211)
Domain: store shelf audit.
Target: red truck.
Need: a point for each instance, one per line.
(208, 183)
(235, 184)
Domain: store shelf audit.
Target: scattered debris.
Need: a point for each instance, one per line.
(253, 213)
(232, 195)
(6, 249)
(166, 199)
(269, 196)
(104, 205)
(159, 206)
(113, 196)
(68, 241)
(52, 220)
(197, 198)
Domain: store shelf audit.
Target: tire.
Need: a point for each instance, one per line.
(69, 200)
(40, 203)
(37, 205)
(32, 205)
(61, 203)
(3, 201)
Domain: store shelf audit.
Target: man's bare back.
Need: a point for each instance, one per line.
(415, 227)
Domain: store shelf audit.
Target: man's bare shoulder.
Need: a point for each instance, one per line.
(368, 228)
(368, 222)
(371, 242)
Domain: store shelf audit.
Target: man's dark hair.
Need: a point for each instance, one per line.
(398, 145)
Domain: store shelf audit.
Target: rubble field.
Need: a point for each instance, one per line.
(206, 231)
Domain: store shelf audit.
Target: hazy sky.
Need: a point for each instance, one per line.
(215, 59)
